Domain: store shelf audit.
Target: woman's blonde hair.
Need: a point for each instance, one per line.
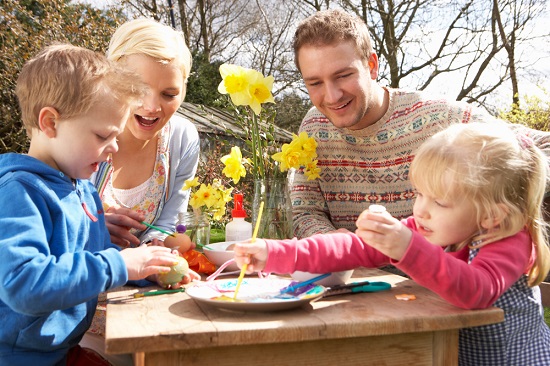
(330, 27)
(148, 37)
(69, 78)
(500, 171)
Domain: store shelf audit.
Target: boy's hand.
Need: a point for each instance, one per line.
(188, 278)
(146, 260)
(119, 221)
(253, 254)
(384, 233)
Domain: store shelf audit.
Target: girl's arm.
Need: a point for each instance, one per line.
(477, 285)
(321, 253)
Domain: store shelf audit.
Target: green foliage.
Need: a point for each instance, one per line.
(535, 113)
(547, 315)
(202, 86)
(28, 25)
(217, 235)
(291, 109)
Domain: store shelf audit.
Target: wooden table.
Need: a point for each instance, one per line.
(360, 329)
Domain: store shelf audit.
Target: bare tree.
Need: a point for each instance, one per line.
(419, 42)
(519, 15)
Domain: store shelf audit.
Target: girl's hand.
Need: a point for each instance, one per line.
(145, 261)
(384, 233)
(252, 254)
(119, 221)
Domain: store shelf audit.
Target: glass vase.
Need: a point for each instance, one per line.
(197, 227)
(276, 219)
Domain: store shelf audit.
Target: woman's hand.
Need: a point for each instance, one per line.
(254, 255)
(119, 221)
(384, 233)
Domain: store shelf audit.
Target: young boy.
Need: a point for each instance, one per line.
(55, 248)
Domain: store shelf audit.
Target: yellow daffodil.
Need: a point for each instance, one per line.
(190, 183)
(204, 196)
(209, 198)
(234, 167)
(289, 157)
(260, 91)
(300, 152)
(312, 171)
(246, 87)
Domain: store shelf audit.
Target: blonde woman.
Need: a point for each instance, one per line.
(158, 151)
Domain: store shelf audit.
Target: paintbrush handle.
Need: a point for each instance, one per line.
(158, 292)
(157, 228)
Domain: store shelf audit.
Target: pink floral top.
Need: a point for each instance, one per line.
(146, 197)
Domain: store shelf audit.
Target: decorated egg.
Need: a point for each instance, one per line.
(176, 274)
(181, 242)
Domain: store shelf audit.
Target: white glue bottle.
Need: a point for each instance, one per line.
(238, 229)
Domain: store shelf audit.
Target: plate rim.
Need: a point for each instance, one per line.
(256, 306)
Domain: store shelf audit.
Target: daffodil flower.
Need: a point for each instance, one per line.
(234, 167)
(246, 87)
(312, 171)
(190, 183)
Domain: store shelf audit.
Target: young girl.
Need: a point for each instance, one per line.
(476, 238)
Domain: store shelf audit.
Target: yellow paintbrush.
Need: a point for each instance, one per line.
(243, 270)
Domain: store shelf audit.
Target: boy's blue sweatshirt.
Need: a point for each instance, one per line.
(55, 258)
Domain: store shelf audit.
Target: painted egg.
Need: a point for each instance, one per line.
(176, 274)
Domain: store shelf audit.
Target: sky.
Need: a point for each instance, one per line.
(529, 84)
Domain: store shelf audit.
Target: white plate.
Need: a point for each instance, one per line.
(255, 294)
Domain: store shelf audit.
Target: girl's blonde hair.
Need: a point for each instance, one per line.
(148, 37)
(496, 169)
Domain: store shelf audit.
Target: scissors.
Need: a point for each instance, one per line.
(357, 287)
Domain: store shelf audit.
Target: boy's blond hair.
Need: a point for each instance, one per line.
(148, 37)
(69, 79)
(330, 27)
(499, 171)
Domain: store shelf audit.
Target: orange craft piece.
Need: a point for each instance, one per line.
(405, 297)
(198, 262)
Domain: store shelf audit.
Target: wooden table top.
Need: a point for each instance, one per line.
(177, 322)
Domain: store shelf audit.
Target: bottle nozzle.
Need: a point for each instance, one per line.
(238, 210)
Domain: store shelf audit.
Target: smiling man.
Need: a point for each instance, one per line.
(367, 134)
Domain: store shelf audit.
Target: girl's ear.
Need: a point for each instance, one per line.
(499, 213)
(48, 118)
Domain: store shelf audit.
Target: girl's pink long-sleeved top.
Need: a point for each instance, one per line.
(476, 285)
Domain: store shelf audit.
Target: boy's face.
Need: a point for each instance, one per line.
(82, 142)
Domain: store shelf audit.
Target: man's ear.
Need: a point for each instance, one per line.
(497, 216)
(48, 119)
(373, 66)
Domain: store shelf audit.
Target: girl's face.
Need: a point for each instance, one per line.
(166, 92)
(444, 221)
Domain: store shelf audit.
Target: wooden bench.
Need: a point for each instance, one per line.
(545, 293)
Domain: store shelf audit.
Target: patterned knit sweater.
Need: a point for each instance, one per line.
(371, 166)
